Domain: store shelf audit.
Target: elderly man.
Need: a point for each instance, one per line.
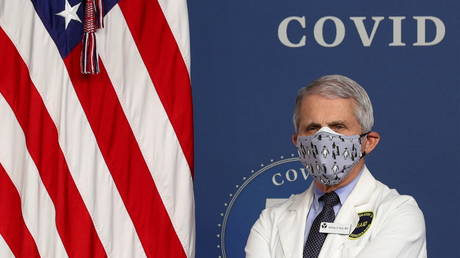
(345, 212)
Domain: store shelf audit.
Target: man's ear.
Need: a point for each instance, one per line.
(372, 139)
(294, 139)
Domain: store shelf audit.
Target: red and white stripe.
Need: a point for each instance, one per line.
(156, 136)
(12, 224)
(38, 210)
(176, 15)
(5, 250)
(119, 145)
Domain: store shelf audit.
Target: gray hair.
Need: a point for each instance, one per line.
(338, 86)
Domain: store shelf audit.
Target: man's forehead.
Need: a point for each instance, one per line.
(319, 103)
(322, 110)
(318, 98)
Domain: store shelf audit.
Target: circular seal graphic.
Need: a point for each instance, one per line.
(264, 187)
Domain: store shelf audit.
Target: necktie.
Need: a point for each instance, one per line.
(315, 239)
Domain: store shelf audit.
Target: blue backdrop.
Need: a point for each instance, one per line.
(245, 79)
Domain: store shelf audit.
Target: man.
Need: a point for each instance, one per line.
(345, 212)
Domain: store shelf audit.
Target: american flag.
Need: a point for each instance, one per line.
(95, 165)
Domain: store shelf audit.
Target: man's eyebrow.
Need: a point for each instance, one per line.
(313, 124)
(339, 122)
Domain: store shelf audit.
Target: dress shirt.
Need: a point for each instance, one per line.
(317, 206)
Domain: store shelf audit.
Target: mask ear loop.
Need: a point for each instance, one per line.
(361, 136)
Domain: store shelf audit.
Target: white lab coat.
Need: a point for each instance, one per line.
(397, 228)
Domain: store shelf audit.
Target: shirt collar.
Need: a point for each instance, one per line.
(343, 192)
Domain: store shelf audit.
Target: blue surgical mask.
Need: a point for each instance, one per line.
(329, 156)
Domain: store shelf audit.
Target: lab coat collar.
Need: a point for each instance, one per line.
(292, 226)
(358, 201)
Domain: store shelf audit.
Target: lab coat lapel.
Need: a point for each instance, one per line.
(292, 226)
(348, 215)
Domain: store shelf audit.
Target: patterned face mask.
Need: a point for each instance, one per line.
(329, 156)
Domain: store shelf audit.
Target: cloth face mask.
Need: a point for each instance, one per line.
(329, 156)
